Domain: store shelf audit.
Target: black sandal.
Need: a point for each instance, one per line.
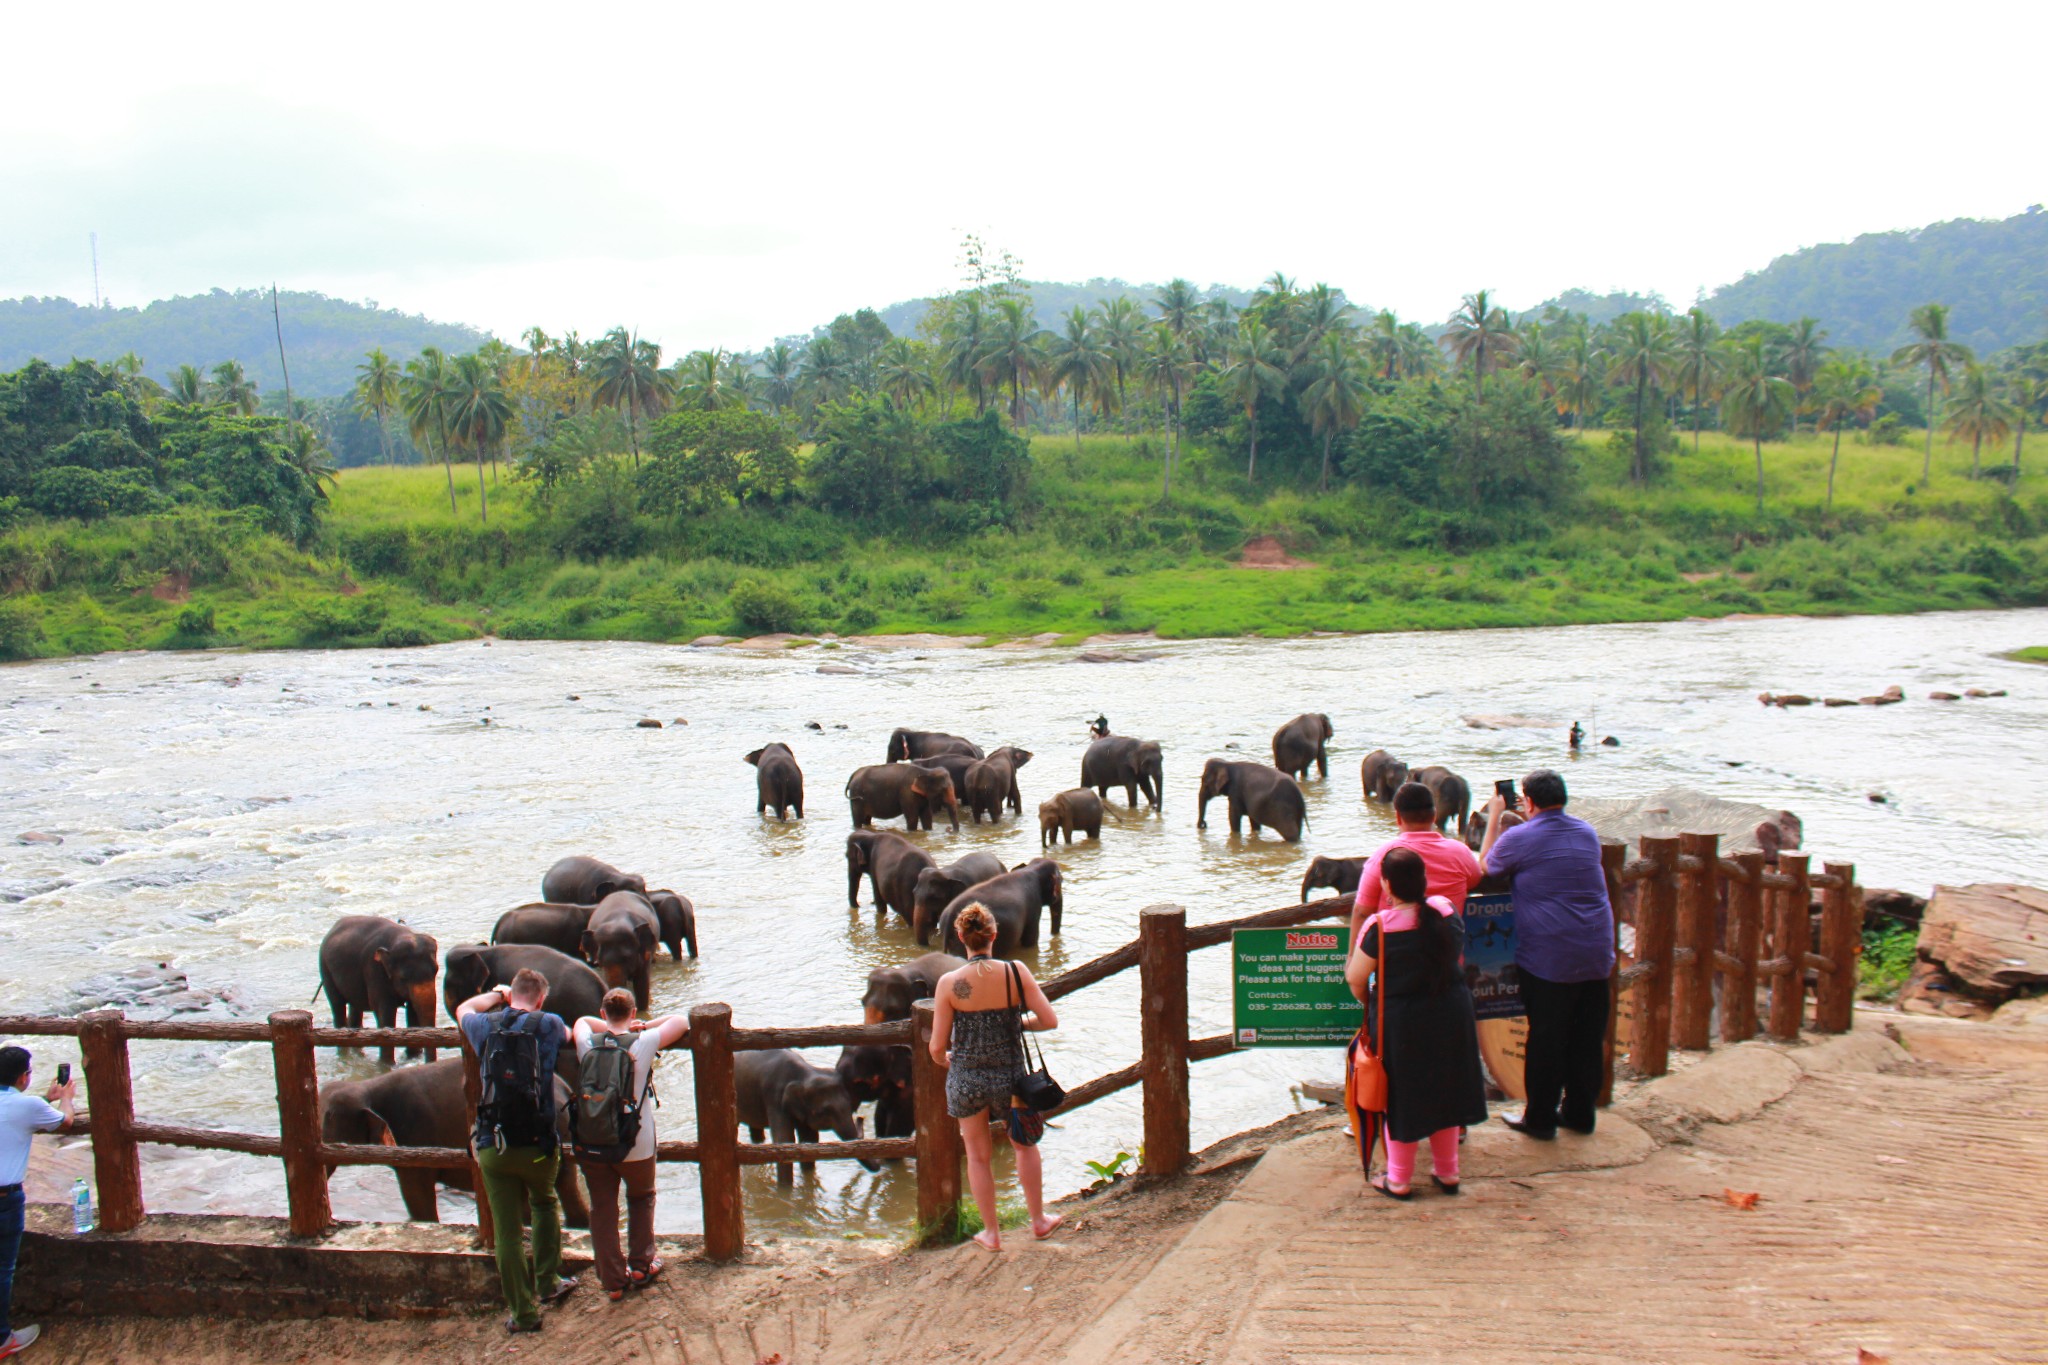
(1380, 1184)
(1437, 1181)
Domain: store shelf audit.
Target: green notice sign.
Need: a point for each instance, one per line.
(1289, 988)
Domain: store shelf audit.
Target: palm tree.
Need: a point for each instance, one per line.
(1317, 313)
(376, 393)
(1419, 354)
(573, 353)
(902, 371)
(1537, 359)
(1699, 364)
(1079, 363)
(1642, 352)
(1178, 303)
(963, 339)
(309, 455)
(630, 378)
(231, 385)
(1256, 368)
(423, 395)
(478, 412)
(2027, 394)
(1843, 392)
(1481, 336)
(1165, 366)
(538, 343)
(822, 374)
(1758, 400)
(1980, 412)
(1940, 356)
(1122, 325)
(701, 380)
(1383, 344)
(1014, 351)
(778, 370)
(188, 385)
(1335, 399)
(1582, 374)
(1803, 349)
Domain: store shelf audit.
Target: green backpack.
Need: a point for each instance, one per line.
(606, 1116)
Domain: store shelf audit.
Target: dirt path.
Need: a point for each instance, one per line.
(1893, 1216)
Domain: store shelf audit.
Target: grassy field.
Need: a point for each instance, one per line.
(1099, 553)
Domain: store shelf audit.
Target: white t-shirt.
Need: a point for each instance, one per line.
(21, 1114)
(644, 1046)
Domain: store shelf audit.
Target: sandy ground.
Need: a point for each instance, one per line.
(1896, 1215)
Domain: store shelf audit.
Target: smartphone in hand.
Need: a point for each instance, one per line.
(1505, 790)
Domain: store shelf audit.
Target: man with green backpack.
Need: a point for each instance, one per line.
(612, 1125)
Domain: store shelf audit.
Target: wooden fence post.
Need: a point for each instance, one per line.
(1745, 943)
(298, 1118)
(1163, 1030)
(1656, 929)
(1699, 900)
(718, 1132)
(1794, 937)
(1841, 941)
(472, 1096)
(940, 1148)
(110, 1099)
(1612, 853)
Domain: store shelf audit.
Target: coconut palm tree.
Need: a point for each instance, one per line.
(903, 373)
(629, 377)
(1178, 303)
(478, 412)
(1699, 364)
(310, 456)
(573, 353)
(1844, 391)
(2028, 395)
(1480, 336)
(1758, 400)
(1939, 356)
(1078, 362)
(778, 375)
(423, 397)
(376, 393)
(1980, 412)
(1582, 374)
(1802, 351)
(702, 380)
(823, 375)
(188, 385)
(1256, 368)
(1642, 351)
(538, 344)
(232, 386)
(1537, 359)
(1317, 312)
(1419, 354)
(1383, 344)
(1335, 399)
(1122, 327)
(963, 343)
(1166, 367)
(1014, 351)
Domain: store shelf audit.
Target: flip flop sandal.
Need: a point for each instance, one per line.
(640, 1279)
(1053, 1225)
(1380, 1183)
(1451, 1188)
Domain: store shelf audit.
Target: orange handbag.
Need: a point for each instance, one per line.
(1366, 1082)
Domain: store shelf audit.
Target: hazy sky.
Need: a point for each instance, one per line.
(726, 174)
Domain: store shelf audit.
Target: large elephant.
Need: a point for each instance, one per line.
(883, 791)
(621, 941)
(992, 783)
(881, 1072)
(1382, 775)
(375, 964)
(469, 969)
(1302, 741)
(794, 1101)
(936, 886)
(1453, 795)
(1265, 796)
(1133, 764)
(586, 881)
(956, 766)
(915, 744)
(556, 926)
(678, 917)
(891, 864)
(1015, 899)
(777, 780)
(1075, 809)
(1341, 875)
(893, 990)
(424, 1106)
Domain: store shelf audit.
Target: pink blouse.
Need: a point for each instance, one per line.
(1396, 918)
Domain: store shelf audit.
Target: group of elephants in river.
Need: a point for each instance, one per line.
(596, 928)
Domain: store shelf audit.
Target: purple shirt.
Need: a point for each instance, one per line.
(1564, 927)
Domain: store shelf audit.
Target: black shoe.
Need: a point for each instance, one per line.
(515, 1326)
(1586, 1131)
(1521, 1126)
(1437, 1181)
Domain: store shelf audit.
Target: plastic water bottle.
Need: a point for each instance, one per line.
(81, 1207)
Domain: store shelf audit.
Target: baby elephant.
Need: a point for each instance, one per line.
(1341, 875)
(794, 1101)
(1071, 810)
(779, 780)
(992, 783)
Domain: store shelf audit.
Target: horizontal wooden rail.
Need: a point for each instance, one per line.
(209, 1139)
(450, 1037)
(375, 1154)
(1215, 1045)
(1100, 1086)
(1329, 907)
(1634, 972)
(1092, 971)
(39, 1026)
(1637, 870)
(820, 1035)
(874, 1149)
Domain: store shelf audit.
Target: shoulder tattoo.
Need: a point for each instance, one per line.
(963, 989)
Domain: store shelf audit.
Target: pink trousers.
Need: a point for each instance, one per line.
(1443, 1158)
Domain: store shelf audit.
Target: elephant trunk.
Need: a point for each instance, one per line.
(852, 887)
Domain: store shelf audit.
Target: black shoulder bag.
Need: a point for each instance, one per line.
(1037, 1089)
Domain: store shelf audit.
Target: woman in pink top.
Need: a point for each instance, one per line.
(1451, 868)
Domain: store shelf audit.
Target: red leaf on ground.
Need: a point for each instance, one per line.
(1740, 1199)
(1866, 1356)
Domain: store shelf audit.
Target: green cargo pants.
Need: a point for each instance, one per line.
(516, 1179)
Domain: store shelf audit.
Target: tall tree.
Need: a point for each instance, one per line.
(1123, 336)
(1014, 351)
(1256, 369)
(1582, 374)
(1758, 400)
(703, 381)
(1641, 352)
(1939, 356)
(1480, 336)
(538, 344)
(1537, 359)
(629, 377)
(1334, 401)
(1803, 350)
(232, 386)
(188, 385)
(1166, 366)
(423, 395)
(1980, 412)
(903, 373)
(376, 393)
(2028, 395)
(1699, 365)
(823, 375)
(778, 373)
(1078, 362)
(1383, 344)
(1178, 303)
(477, 413)
(963, 346)
(1316, 313)
(1844, 391)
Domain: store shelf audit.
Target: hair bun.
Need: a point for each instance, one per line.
(975, 926)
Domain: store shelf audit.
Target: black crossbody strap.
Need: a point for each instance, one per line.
(1024, 1034)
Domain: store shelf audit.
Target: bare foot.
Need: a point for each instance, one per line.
(1044, 1227)
(988, 1241)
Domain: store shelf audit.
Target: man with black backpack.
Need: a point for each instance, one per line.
(516, 1044)
(613, 1129)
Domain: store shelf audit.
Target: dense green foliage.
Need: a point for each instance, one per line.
(1888, 951)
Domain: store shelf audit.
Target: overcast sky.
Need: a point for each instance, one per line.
(720, 175)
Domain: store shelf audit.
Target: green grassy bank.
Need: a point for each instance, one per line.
(1096, 551)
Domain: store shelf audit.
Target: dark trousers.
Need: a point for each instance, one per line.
(604, 1179)
(12, 1206)
(1567, 1036)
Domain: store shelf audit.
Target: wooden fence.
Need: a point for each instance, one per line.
(1693, 912)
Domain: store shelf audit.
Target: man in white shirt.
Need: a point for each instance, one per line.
(643, 1039)
(21, 1116)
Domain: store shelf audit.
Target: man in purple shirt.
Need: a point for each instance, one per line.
(1564, 931)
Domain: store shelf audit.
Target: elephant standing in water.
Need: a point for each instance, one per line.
(911, 745)
(937, 886)
(1453, 795)
(883, 791)
(1253, 791)
(1382, 775)
(620, 941)
(1016, 899)
(470, 968)
(778, 781)
(1133, 764)
(379, 965)
(992, 783)
(1341, 875)
(794, 1101)
(1077, 808)
(586, 881)
(892, 865)
(1303, 741)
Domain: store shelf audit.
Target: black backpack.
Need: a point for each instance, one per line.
(517, 1108)
(606, 1118)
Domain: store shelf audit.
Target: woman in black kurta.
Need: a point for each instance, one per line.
(1413, 950)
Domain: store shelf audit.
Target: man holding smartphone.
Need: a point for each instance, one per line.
(22, 1116)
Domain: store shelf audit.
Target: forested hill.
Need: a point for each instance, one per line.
(1992, 274)
(1052, 301)
(324, 338)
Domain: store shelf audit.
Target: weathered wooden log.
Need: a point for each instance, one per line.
(1107, 1084)
(298, 1121)
(1091, 971)
(1612, 855)
(939, 1146)
(718, 1132)
(1699, 903)
(376, 1154)
(472, 1096)
(1745, 938)
(820, 1035)
(1841, 940)
(387, 1037)
(1325, 908)
(783, 1153)
(1794, 929)
(204, 1139)
(1215, 1045)
(40, 1026)
(117, 1166)
(1656, 930)
(1163, 1031)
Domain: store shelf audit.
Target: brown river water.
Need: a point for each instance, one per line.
(218, 810)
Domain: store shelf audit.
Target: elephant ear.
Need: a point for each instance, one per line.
(755, 757)
(587, 945)
(378, 955)
(380, 1131)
